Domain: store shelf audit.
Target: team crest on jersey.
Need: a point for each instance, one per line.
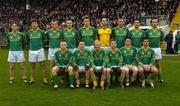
(91, 31)
(100, 56)
(38, 34)
(116, 55)
(85, 54)
(149, 53)
(158, 33)
(110, 55)
(132, 51)
(50, 34)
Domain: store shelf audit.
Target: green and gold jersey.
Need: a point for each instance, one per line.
(82, 58)
(15, 41)
(155, 37)
(114, 58)
(71, 37)
(54, 37)
(88, 35)
(63, 58)
(98, 58)
(136, 37)
(119, 35)
(35, 39)
(145, 56)
(129, 55)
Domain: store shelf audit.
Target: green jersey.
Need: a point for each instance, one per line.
(119, 35)
(129, 55)
(155, 37)
(136, 37)
(177, 38)
(145, 56)
(114, 58)
(98, 58)
(15, 41)
(87, 35)
(54, 37)
(35, 39)
(82, 58)
(71, 37)
(63, 58)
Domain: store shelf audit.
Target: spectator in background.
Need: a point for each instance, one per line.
(177, 41)
(169, 40)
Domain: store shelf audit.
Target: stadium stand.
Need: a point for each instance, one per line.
(45, 10)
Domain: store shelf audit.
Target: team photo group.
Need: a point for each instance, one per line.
(89, 57)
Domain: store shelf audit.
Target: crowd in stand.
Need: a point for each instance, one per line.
(45, 10)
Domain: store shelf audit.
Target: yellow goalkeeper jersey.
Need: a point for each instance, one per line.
(104, 35)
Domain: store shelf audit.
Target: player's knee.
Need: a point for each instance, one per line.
(140, 69)
(103, 71)
(108, 70)
(91, 70)
(70, 68)
(122, 70)
(54, 69)
(126, 70)
(135, 69)
(155, 70)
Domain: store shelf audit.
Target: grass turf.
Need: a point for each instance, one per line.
(39, 94)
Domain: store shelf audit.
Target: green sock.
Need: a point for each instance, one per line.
(159, 77)
(66, 77)
(120, 82)
(54, 78)
(146, 75)
(71, 79)
(108, 83)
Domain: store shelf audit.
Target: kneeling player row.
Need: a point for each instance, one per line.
(119, 61)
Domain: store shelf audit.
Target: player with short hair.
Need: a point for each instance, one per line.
(120, 33)
(35, 37)
(136, 35)
(70, 35)
(63, 59)
(129, 61)
(146, 61)
(54, 35)
(114, 63)
(156, 36)
(87, 33)
(82, 61)
(16, 41)
(99, 60)
(104, 34)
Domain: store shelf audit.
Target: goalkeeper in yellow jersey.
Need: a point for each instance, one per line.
(104, 34)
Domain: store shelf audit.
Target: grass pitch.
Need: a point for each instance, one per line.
(38, 94)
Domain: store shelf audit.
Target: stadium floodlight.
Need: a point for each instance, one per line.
(27, 7)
